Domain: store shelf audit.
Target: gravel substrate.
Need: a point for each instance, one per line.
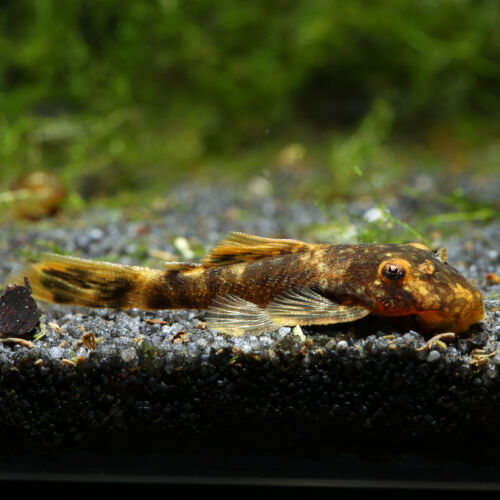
(171, 381)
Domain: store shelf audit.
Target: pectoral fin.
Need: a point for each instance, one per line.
(231, 314)
(303, 306)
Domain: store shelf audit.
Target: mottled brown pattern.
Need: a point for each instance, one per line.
(346, 274)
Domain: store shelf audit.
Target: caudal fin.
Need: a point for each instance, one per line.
(69, 280)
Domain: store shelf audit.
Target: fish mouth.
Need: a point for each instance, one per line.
(437, 321)
(465, 308)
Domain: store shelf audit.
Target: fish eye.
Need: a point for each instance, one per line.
(392, 271)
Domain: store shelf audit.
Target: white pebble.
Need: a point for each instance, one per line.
(493, 254)
(283, 331)
(202, 343)
(183, 247)
(342, 345)
(433, 356)
(260, 186)
(56, 352)
(128, 354)
(373, 214)
(96, 234)
(246, 349)
(265, 341)
(297, 331)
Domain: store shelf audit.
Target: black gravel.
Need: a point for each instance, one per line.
(177, 384)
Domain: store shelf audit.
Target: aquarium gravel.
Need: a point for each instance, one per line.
(95, 373)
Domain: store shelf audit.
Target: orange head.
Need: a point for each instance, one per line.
(404, 280)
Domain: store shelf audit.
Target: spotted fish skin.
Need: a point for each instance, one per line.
(254, 284)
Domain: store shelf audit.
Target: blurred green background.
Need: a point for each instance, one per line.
(118, 96)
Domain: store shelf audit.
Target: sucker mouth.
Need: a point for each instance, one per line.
(438, 320)
(392, 310)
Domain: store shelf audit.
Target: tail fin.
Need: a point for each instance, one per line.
(68, 280)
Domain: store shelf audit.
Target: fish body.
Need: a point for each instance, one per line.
(251, 284)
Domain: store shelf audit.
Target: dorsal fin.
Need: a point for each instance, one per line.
(241, 247)
(180, 266)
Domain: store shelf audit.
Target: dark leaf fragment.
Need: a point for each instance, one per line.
(19, 313)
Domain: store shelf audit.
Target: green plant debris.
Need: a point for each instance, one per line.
(40, 334)
(409, 229)
(148, 351)
(382, 227)
(387, 217)
(33, 250)
(364, 149)
(476, 215)
(233, 360)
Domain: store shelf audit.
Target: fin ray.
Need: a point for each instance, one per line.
(234, 315)
(70, 280)
(241, 247)
(303, 306)
(180, 266)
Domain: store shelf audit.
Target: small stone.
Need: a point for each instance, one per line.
(373, 214)
(342, 345)
(464, 370)
(246, 349)
(306, 360)
(95, 234)
(283, 331)
(183, 247)
(128, 354)
(55, 352)
(297, 331)
(493, 254)
(433, 356)
(331, 344)
(409, 338)
(201, 343)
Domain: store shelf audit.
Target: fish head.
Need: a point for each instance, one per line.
(404, 280)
